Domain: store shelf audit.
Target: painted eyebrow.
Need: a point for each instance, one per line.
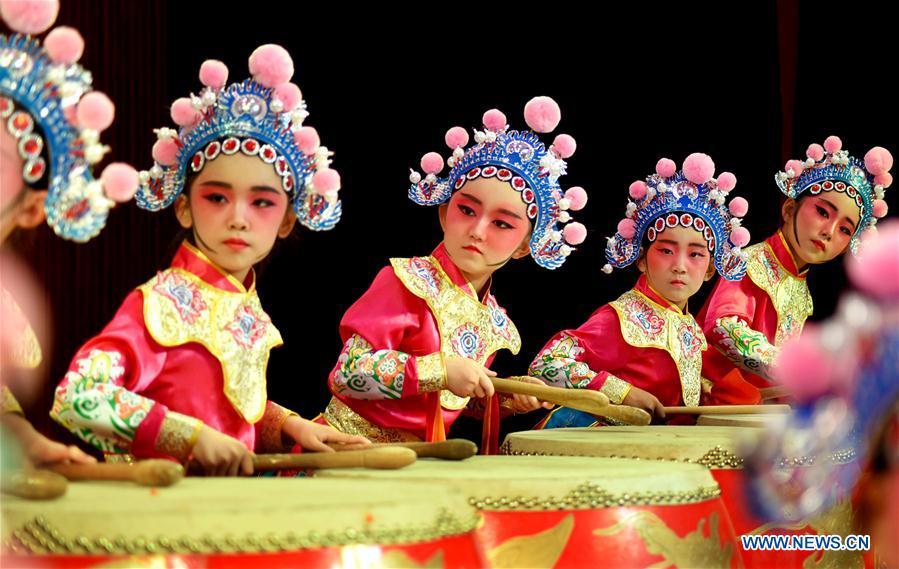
(510, 213)
(673, 242)
(217, 184)
(834, 208)
(266, 189)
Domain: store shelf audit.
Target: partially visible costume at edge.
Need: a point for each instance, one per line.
(844, 374)
(191, 346)
(389, 382)
(48, 107)
(746, 322)
(641, 339)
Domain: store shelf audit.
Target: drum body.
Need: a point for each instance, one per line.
(714, 448)
(577, 512)
(760, 420)
(243, 522)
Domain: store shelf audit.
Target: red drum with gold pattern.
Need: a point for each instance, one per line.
(577, 512)
(709, 446)
(243, 522)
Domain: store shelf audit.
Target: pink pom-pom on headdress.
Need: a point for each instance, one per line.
(797, 166)
(95, 111)
(165, 151)
(183, 112)
(627, 228)
(64, 45)
(804, 368)
(456, 137)
(29, 16)
(699, 168)
(432, 163)
(815, 152)
(726, 181)
(271, 65)
(494, 119)
(289, 95)
(637, 190)
(565, 145)
(876, 270)
(885, 179)
(879, 208)
(326, 181)
(542, 114)
(213, 73)
(833, 144)
(738, 207)
(666, 167)
(120, 181)
(307, 139)
(878, 160)
(575, 233)
(740, 237)
(577, 197)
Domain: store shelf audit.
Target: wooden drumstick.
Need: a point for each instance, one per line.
(34, 484)
(728, 410)
(145, 472)
(453, 449)
(385, 458)
(587, 400)
(774, 392)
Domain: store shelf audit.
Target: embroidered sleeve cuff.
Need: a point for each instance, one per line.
(615, 389)
(269, 427)
(8, 403)
(431, 372)
(178, 435)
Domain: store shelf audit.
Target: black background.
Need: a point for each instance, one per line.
(750, 84)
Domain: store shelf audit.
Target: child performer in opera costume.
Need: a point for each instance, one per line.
(180, 371)
(645, 349)
(49, 141)
(418, 344)
(832, 198)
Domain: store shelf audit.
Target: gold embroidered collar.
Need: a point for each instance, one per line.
(468, 327)
(180, 307)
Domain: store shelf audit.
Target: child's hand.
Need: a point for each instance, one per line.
(314, 437)
(221, 455)
(468, 378)
(518, 403)
(636, 397)
(38, 449)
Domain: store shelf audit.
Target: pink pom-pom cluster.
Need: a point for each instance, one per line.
(456, 137)
(64, 45)
(575, 233)
(213, 74)
(307, 140)
(29, 16)
(804, 367)
(494, 119)
(564, 146)
(542, 114)
(726, 182)
(432, 163)
(796, 166)
(183, 112)
(876, 270)
(326, 181)
(666, 167)
(577, 198)
(95, 111)
(271, 65)
(699, 168)
(119, 181)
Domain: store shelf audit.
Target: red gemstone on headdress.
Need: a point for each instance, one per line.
(851, 191)
(250, 145)
(37, 170)
(230, 145)
(660, 224)
(712, 244)
(532, 211)
(699, 224)
(651, 234)
(528, 195)
(197, 162)
(77, 210)
(288, 183)
(518, 183)
(21, 122)
(489, 171)
(459, 182)
(686, 220)
(31, 146)
(5, 104)
(504, 174)
(671, 220)
(828, 185)
(268, 153)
